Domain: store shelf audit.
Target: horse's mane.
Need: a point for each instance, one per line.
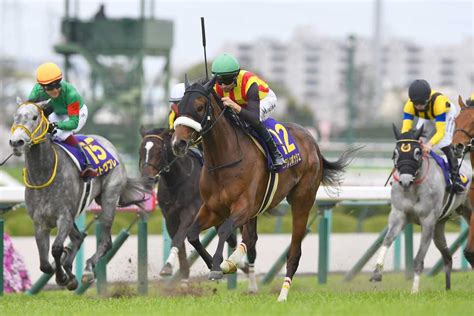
(408, 135)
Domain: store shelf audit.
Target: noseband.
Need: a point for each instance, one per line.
(167, 166)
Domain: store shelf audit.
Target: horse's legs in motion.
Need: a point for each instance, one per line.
(64, 224)
(224, 231)
(204, 220)
(183, 266)
(76, 238)
(396, 222)
(42, 242)
(177, 232)
(427, 232)
(300, 207)
(249, 238)
(105, 241)
(440, 242)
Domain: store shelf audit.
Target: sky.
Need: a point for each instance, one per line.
(28, 29)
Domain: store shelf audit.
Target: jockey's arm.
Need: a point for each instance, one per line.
(251, 113)
(408, 116)
(73, 121)
(440, 110)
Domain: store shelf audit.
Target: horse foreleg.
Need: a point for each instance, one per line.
(204, 220)
(64, 225)
(427, 232)
(183, 266)
(396, 222)
(42, 242)
(440, 243)
(177, 231)
(223, 232)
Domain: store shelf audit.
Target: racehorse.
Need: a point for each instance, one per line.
(463, 142)
(419, 196)
(235, 177)
(178, 196)
(54, 193)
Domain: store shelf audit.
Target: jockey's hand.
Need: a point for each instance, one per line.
(427, 148)
(234, 106)
(52, 128)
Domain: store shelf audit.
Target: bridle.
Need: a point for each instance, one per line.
(207, 123)
(167, 166)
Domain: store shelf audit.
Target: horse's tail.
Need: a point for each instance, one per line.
(134, 193)
(333, 171)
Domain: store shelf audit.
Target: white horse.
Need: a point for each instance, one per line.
(419, 196)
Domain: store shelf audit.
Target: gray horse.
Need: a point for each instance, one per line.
(54, 191)
(419, 196)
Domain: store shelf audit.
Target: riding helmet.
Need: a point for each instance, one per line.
(419, 91)
(225, 65)
(48, 73)
(177, 92)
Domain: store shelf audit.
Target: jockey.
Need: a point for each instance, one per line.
(248, 96)
(66, 112)
(436, 113)
(176, 94)
(470, 101)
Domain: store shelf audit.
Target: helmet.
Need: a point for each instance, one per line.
(419, 91)
(47, 73)
(225, 65)
(470, 101)
(177, 92)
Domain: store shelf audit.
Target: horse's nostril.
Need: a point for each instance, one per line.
(17, 143)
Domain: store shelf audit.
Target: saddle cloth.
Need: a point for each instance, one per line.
(285, 143)
(101, 159)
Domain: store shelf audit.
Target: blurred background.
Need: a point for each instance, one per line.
(339, 68)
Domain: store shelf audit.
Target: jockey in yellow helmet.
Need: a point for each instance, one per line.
(66, 113)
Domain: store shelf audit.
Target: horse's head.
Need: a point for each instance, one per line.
(463, 138)
(29, 126)
(154, 153)
(407, 156)
(195, 115)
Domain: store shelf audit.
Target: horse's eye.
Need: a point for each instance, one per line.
(200, 108)
(417, 153)
(35, 117)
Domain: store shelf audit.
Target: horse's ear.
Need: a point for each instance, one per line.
(142, 131)
(419, 132)
(43, 104)
(461, 102)
(210, 84)
(396, 132)
(186, 81)
(18, 101)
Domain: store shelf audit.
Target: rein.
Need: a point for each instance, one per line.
(207, 129)
(51, 178)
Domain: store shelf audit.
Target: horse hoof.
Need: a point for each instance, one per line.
(216, 275)
(48, 269)
(62, 281)
(87, 278)
(228, 266)
(72, 285)
(167, 270)
(376, 277)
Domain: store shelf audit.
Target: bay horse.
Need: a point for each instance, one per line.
(235, 176)
(178, 197)
(54, 193)
(419, 195)
(463, 142)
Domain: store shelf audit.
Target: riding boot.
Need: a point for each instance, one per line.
(276, 156)
(88, 173)
(457, 185)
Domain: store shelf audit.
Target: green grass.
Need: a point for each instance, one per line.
(359, 297)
